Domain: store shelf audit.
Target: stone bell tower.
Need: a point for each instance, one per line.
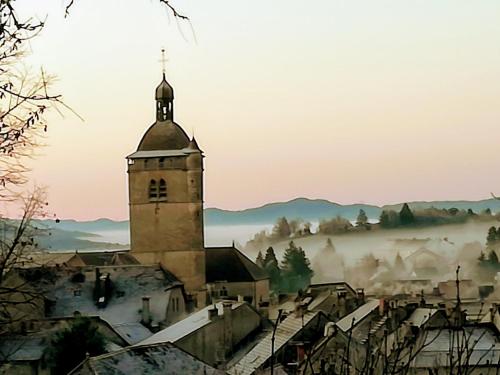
(165, 178)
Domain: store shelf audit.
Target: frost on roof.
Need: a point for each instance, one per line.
(261, 352)
(130, 284)
(21, 348)
(132, 332)
(479, 343)
(186, 326)
(420, 316)
(165, 358)
(357, 315)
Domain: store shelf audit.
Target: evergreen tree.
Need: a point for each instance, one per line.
(389, 219)
(273, 270)
(270, 256)
(70, 346)
(329, 245)
(406, 217)
(362, 219)
(493, 258)
(492, 237)
(399, 264)
(384, 219)
(282, 228)
(297, 272)
(260, 260)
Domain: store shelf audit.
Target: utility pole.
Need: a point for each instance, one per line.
(280, 311)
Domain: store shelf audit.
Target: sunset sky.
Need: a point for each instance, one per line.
(352, 101)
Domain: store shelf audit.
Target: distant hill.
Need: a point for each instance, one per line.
(306, 209)
(87, 226)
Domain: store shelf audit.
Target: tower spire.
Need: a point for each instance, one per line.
(164, 95)
(163, 61)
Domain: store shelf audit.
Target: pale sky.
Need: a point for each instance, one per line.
(351, 101)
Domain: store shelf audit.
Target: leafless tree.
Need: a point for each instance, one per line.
(17, 238)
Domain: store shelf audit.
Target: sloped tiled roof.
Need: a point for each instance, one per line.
(229, 264)
(261, 353)
(164, 358)
(354, 318)
(106, 258)
(188, 325)
(73, 290)
(478, 343)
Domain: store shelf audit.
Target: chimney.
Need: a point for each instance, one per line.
(341, 298)
(240, 298)
(329, 329)
(360, 292)
(146, 313)
(228, 327)
(213, 313)
(382, 307)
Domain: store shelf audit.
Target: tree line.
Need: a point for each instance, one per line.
(285, 229)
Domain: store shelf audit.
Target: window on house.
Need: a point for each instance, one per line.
(162, 190)
(161, 162)
(153, 190)
(77, 292)
(146, 163)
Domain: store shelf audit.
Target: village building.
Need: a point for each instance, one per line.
(286, 346)
(214, 333)
(137, 299)
(231, 275)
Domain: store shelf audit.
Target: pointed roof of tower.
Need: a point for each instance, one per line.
(164, 134)
(164, 91)
(193, 145)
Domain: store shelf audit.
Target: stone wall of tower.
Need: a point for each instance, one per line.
(170, 231)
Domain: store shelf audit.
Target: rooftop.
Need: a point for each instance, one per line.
(231, 265)
(72, 289)
(163, 358)
(187, 326)
(261, 352)
(421, 316)
(160, 153)
(354, 318)
(480, 342)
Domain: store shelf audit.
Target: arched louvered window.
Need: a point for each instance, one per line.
(153, 190)
(162, 191)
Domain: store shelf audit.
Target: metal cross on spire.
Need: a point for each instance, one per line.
(163, 61)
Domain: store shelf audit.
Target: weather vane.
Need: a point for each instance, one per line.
(163, 60)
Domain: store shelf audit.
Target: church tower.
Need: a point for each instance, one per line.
(165, 178)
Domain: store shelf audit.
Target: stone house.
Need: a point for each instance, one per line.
(231, 274)
(214, 333)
